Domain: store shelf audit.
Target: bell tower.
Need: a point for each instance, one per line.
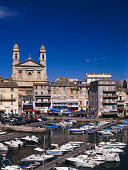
(15, 57)
(42, 60)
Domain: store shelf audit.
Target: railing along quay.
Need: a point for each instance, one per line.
(11, 136)
(62, 159)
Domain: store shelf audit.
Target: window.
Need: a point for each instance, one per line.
(71, 91)
(11, 96)
(41, 92)
(71, 97)
(43, 56)
(11, 89)
(16, 56)
(29, 73)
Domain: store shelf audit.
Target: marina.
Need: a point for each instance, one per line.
(77, 144)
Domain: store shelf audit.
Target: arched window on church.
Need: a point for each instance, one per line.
(16, 56)
(38, 74)
(20, 74)
(29, 73)
(43, 56)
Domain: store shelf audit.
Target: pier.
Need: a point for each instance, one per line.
(62, 159)
(23, 128)
(11, 136)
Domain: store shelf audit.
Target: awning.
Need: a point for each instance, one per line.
(29, 110)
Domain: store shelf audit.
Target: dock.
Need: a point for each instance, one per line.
(62, 159)
(11, 136)
(22, 128)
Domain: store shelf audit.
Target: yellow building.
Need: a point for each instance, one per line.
(9, 97)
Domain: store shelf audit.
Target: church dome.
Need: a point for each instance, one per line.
(15, 47)
(43, 48)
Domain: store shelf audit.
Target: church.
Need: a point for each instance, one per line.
(27, 72)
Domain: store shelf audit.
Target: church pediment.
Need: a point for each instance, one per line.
(29, 63)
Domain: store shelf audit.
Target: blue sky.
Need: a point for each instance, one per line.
(79, 35)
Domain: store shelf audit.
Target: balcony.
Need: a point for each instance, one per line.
(7, 100)
(120, 102)
(108, 96)
(43, 95)
(109, 91)
(109, 102)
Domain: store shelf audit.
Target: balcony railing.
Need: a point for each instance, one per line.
(109, 102)
(107, 96)
(7, 100)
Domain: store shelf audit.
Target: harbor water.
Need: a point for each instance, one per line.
(62, 136)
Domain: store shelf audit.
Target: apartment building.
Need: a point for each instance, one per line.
(103, 97)
(62, 94)
(90, 77)
(9, 99)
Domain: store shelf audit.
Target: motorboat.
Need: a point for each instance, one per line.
(68, 147)
(14, 143)
(54, 152)
(7, 165)
(77, 131)
(28, 165)
(99, 159)
(38, 158)
(3, 147)
(113, 143)
(109, 156)
(33, 140)
(109, 149)
(105, 132)
(65, 168)
(82, 162)
(11, 167)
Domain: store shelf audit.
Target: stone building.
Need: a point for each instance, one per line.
(42, 96)
(27, 72)
(62, 93)
(103, 97)
(90, 77)
(9, 98)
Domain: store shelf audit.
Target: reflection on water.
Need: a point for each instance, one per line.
(63, 136)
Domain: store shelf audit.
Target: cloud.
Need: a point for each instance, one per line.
(87, 60)
(5, 12)
(99, 58)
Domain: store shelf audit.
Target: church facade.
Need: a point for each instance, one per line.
(27, 72)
